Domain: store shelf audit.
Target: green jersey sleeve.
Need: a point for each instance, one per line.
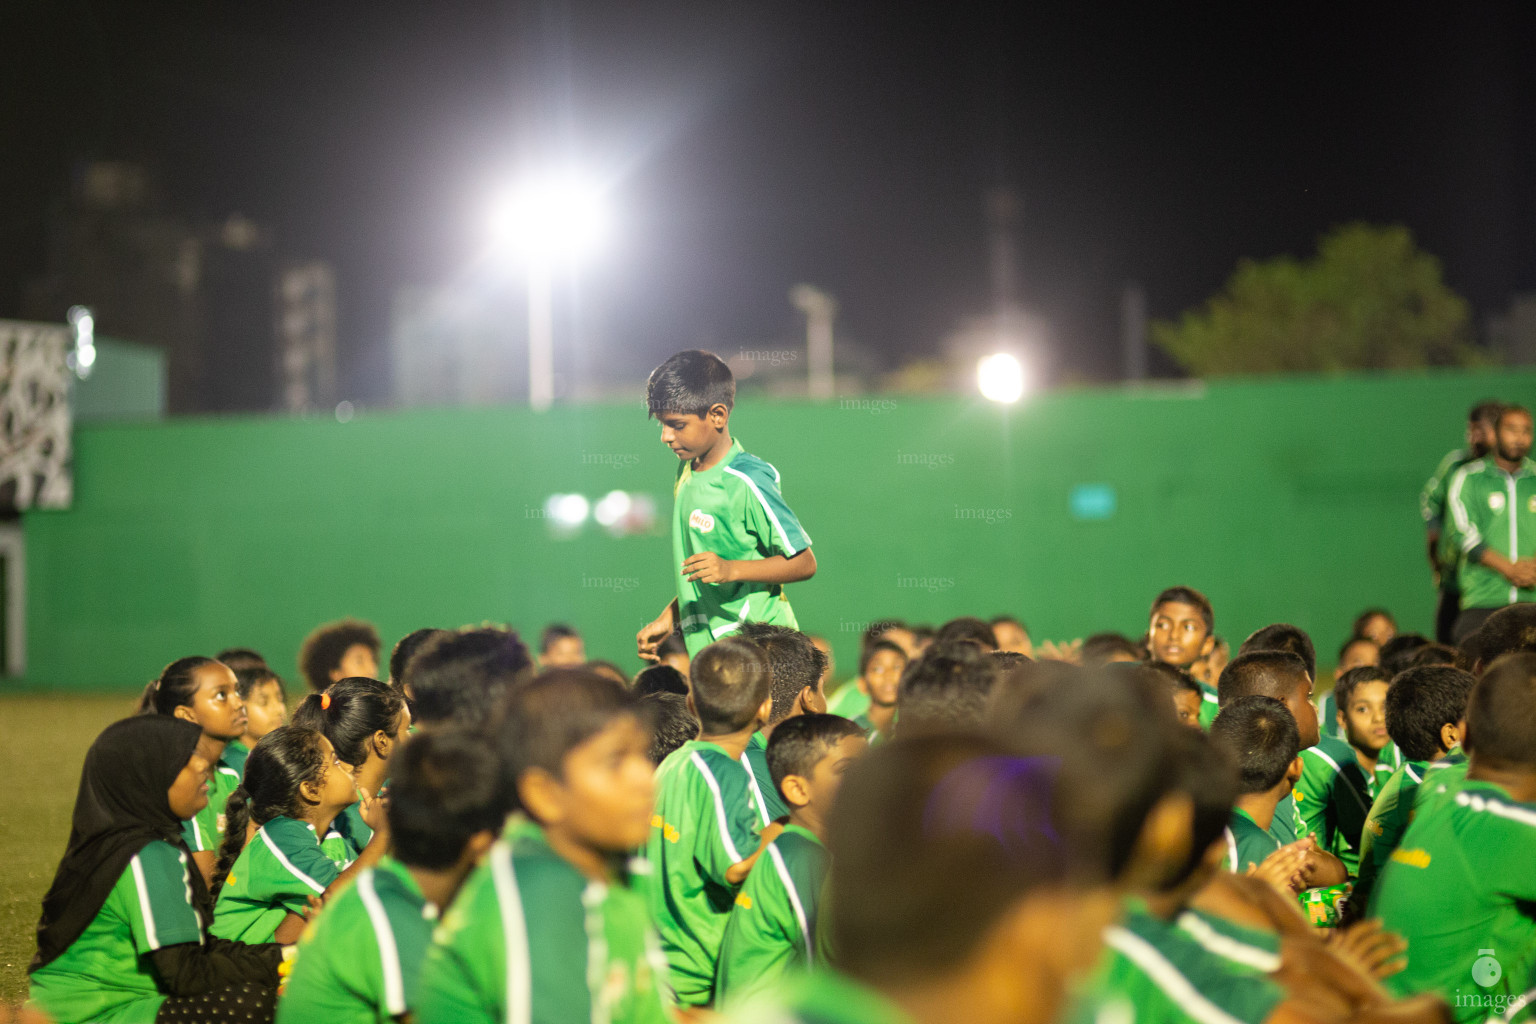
(164, 914)
(1168, 976)
(1503, 847)
(767, 517)
(1320, 768)
(727, 816)
(461, 977)
(1432, 496)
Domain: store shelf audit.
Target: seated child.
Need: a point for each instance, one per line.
(365, 720)
(294, 787)
(1188, 697)
(772, 928)
(339, 650)
(880, 672)
(1259, 735)
(1357, 652)
(671, 723)
(122, 936)
(703, 838)
(1340, 778)
(460, 676)
(266, 708)
(361, 959)
(560, 646)
(797, 668)
(206, 693)
(849, 700)
(1182, 633)
(551, 927)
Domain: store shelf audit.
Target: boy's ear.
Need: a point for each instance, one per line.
(811, 701)
(184, 713)
(1164, 842)
(765, 710)
(1294, 769)
(1450, 735)
(1208, 646)
(541, 795)
(796, 789)
(717, 415)
(309, 792)
(1343, 722)
(477, 846)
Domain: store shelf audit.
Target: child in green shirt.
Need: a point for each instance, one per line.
(552, 926)
(1182, 632)
(797, 667)
(880, 669)
(266, 708)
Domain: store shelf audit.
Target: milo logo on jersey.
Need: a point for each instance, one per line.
(701, 520)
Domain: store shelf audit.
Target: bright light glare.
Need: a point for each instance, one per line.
(551, 219)
(568, 510)
(1001, 378)
(611, 508)
(84, 355)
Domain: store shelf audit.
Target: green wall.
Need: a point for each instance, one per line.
(1290, 499)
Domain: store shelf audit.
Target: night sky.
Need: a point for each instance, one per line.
(754, 145)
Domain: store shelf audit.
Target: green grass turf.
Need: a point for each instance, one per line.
(43, 741)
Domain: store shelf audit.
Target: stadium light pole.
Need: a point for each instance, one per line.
(549, 221)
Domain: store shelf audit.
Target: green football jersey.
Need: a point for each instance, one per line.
(1247, 844)
(1328, 717)
(1432, 506)
(848, 700)
(358, 963)
(873, 735)
(1284, 825)
(279, 869)
(772, 927)
(1334, 796)
(707, 818)
(1490, 508)
(1459, 888)
(1209, 707)
(205, 831)
(531, 940)
(105, 974)
(735, 510)
(345, 839)
(235, 754)
(820, 997)
(1384, 825)
(767, 793)
(1245, 950)
(1155, 972)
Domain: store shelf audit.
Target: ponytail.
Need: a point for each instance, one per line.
(174, 688)
(286, 757)
(349, 712)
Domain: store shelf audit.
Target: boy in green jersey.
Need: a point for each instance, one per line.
(552, 927)
(1459, 886)
(1445, 557)
(1340, 778)
(1259, 735)
(1492, 503)
(850, 700)
(704, 833)
(735, 543)
(773, 926)
(880, 671)
(1426, 715)
(360, 961)
(1358, 651)
(1182, 631)
(798, 668)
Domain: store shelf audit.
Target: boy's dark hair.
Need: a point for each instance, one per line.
(555, 631)
(405, 649)
(660, 679)
(1191, 597)
(690, 383)
(1007, 661)
(875, 630)
(1101, 648)
(247, 679)
(798, 744)
(1511, 409)
(793, 660)
(1204, 772)
(1026, 682)
(1397, 653)
(544, 719)
(281, 761)
(670, 722)
(922, 631)
(240, 657)
(1282, 636)
(1344, 689)
(174, 687)
(323, 649)
(1176, 678)
(1351, 640)
(673, 644)
(444, 787)
(1510, 630)
(358, 708)
(1432, 654)
(731, 678)
(958, 808)
(1358, 628)
(966, 629)
(870, 650)
(1260, 674)
(947, 689)
(1420, 701)
(461, 675)
(602, 665)
(1486, 411)
(1501, 715)
(1260, 736)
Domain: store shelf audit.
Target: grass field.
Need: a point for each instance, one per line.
(43, 741)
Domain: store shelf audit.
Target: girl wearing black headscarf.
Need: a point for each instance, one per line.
(123, 935)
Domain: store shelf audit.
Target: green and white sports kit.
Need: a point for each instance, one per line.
(1490, 508)
(274, 876)
(204, 832)
(1432, 506)
(772, 928)
(1334, 796)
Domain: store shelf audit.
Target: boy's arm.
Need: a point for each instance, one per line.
(658, 629)
(708, 567)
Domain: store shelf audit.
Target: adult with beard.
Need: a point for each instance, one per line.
(1445, 558)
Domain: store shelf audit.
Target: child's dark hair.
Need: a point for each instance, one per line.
(1487, 411)
(553, 632)
(1176, 678)
(799, 743)
(1420, 701)
(1260, 736)
(544, 719)
(1344, 689)
(670, 722)
(1261, 674)
(793, 660)
(1501, 715)
(1398, 653)
(1102, 648)
(966, 629)
(1432, 654)
(1282, 636)
(444, 787)
(349, 712)
(674, 644)
(690, 383)
(1353, 639)
(731, 679)
(461, 675)
(1358, 628)
(405, 649)
(948, 688)
(1510, 630)
(324, 648)
(281, 761)
(174, 687)
(1204, 772)
(238, 658)
(870, 650)
(1191, 597)
(660, 679)
(875, 631)
(250, 677)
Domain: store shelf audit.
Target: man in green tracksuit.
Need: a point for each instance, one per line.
(1492, 505)
(1444, 557)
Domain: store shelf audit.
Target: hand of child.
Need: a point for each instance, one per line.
(1523, 573)
(1069, 651)
(708, 567)
(374, 810)
(651, 636)
(312, 907)
(1284, 869)
(1371, 948)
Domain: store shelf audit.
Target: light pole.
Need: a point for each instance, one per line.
(819, 309)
